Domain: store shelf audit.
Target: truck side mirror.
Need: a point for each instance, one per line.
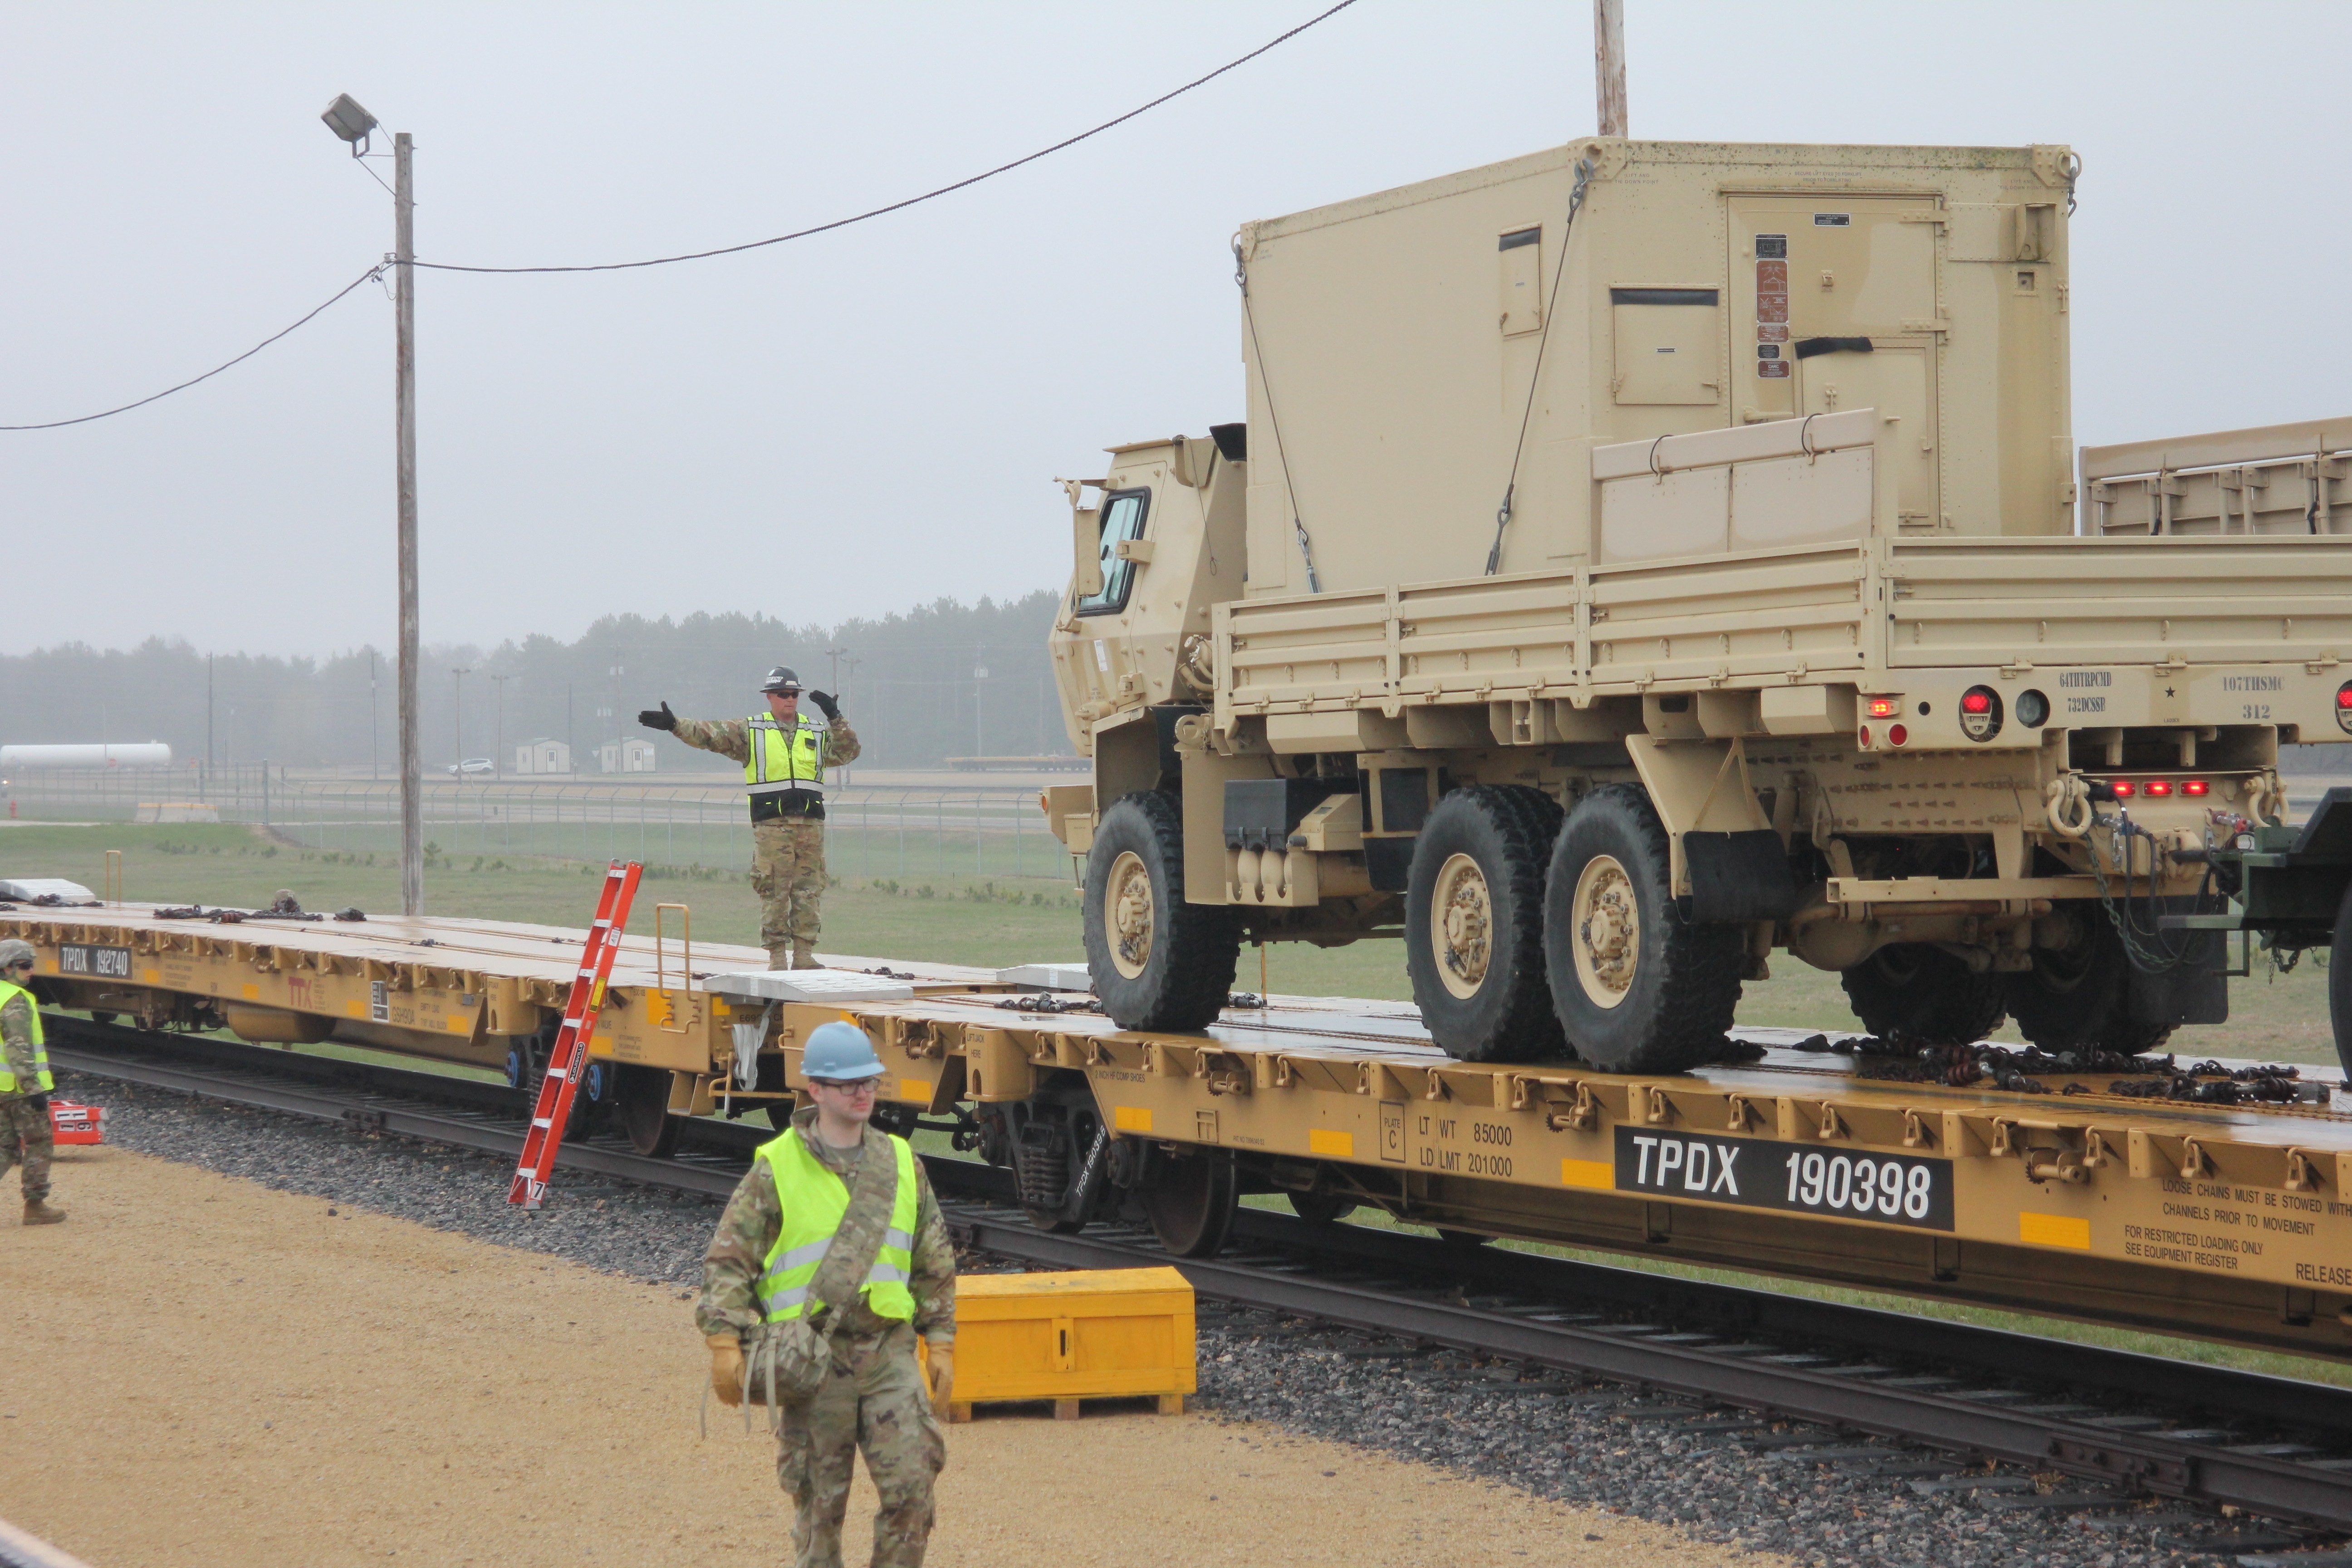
(1085, 547)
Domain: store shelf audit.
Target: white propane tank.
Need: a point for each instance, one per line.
(112, 754)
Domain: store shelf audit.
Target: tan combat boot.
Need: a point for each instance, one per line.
(805, 958)
(39, 1212)
(780, 958)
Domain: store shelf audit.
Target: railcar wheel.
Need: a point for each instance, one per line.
(2078, 997)
(1474, 924)
(1638, 988)
(642, 1097)
(1190, 1199)
(1911, 991)
(1323, 1208)
(1157, 962)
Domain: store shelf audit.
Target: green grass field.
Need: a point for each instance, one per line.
(965, 920)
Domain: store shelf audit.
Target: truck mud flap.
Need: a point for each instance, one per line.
(1736, 878)
(2194, 991)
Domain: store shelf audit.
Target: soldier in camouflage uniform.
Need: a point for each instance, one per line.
(784, 756)
(25, 1084)
(875, 1398)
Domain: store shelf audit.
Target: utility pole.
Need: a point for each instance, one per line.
(208, 723)
(979, 726)
(1609, 65)
(457, 719)
(412, 759)
(499, 745)
(372, 768)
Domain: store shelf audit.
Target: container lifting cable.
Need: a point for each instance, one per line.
(381, 267)
(1535, 376)
(1282, 454)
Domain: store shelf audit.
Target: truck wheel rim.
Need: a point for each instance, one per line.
(1608, 931)
(1127, 914)
(1462, 926)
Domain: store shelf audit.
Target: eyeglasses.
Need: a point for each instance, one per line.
(854, 1086)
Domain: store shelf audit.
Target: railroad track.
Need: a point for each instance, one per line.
(2274, 1446)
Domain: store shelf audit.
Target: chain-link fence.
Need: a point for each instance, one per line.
(871, 830)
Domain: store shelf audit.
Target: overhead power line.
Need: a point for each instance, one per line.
(379, 269)
(372, 272)
(927, 195)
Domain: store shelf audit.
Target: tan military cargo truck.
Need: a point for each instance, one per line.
(1643, 556)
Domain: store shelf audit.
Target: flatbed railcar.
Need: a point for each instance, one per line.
(2072, 1193)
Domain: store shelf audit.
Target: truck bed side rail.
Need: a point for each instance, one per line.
(2273, 480)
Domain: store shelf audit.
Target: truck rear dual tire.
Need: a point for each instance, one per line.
(1474, 924)
(1157, 962)
(2079, 998)
(1917, 992)
(1637, 987)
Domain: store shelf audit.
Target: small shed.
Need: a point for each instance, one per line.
(544, 756)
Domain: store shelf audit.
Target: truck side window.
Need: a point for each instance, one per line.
(1122, 519)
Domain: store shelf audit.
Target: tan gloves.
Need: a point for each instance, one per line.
(727, 1367)
(942, 1379)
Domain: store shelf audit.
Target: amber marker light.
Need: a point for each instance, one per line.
(2160, 786)
(2125, 789)
(1888, 707)
(2195, 786)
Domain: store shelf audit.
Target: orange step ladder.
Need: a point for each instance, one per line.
(569, 1059)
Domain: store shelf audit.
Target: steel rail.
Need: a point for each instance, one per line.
(1539, 1327)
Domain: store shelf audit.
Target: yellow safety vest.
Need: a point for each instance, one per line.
(815, 1201)
(41, 1079)
(779, 759)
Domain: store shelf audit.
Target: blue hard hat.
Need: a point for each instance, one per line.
(839, 1050)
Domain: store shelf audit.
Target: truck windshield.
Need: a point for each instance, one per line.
(1122, 519)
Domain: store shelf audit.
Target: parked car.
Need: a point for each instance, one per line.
(471, 765)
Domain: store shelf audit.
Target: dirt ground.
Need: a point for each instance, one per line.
(201, 1370)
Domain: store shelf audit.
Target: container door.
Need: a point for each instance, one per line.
(1812, 271)
(1897, 377)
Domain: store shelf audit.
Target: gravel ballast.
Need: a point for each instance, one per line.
(1722, 1476)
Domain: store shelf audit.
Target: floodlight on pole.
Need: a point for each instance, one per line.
(347, 120)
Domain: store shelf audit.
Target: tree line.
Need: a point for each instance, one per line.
(912, 684)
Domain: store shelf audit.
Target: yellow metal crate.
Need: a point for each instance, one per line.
(1099, 1334)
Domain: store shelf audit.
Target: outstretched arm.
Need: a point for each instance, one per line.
(724, 736)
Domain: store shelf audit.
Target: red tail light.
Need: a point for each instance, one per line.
(1865, 736)
(1897, 734)
(1886, 706)
(2160, 786)
(2195, 786)
(2125, 789)
(1976, 702)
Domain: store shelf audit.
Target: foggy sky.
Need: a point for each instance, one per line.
(853, 424)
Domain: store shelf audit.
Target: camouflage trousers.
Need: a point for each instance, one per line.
(874, 1400)
(20, 1121)
(787, 875)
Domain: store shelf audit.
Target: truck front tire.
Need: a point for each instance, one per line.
(1638, 988)
(1474, 924)
(1157, 962)
(1914, 991)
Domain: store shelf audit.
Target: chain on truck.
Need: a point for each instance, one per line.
(1639, 559)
